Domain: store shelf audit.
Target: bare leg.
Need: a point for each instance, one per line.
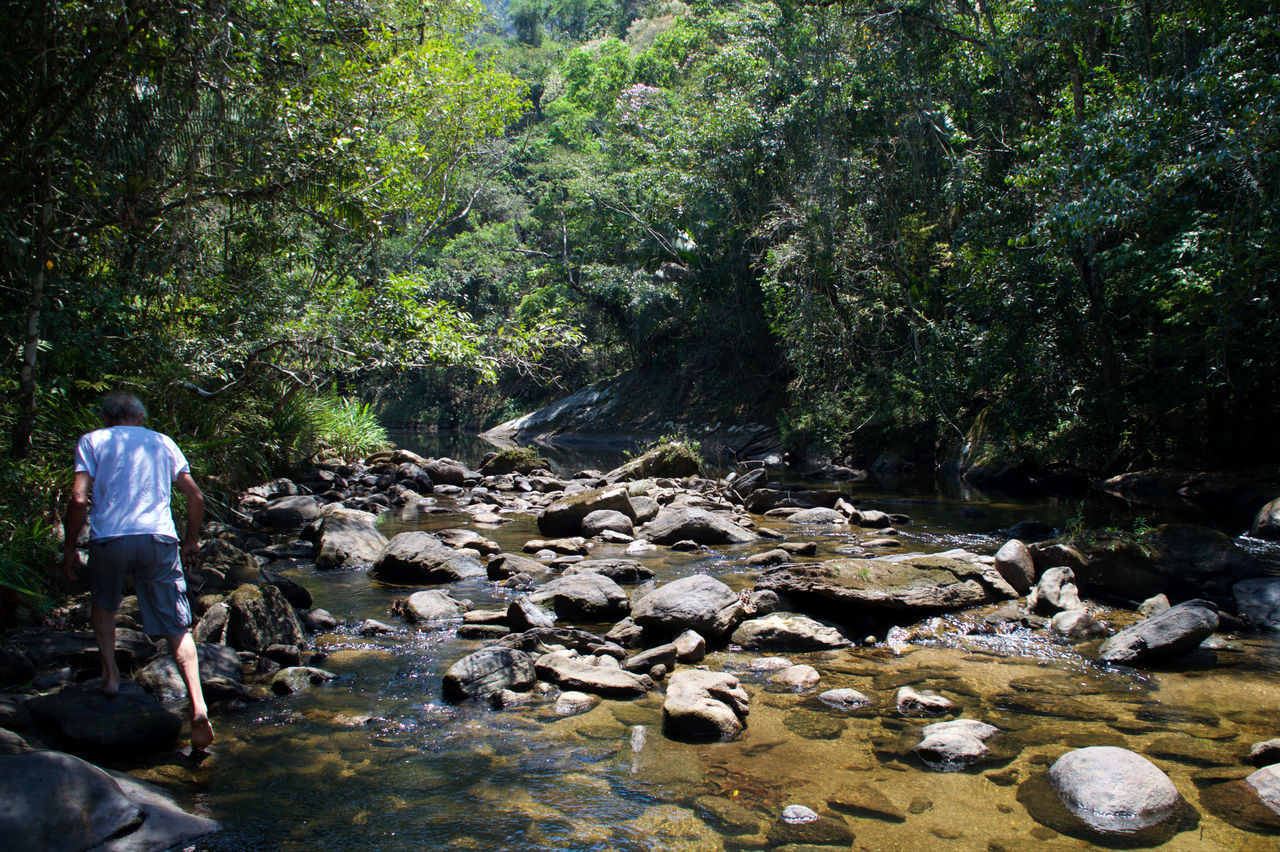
(184, 654)
(104, 629)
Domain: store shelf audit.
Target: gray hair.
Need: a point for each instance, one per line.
(120, 407)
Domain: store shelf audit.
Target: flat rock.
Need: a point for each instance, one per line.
(788, 631)
(618, 570)
(601, 675)
(132, 722)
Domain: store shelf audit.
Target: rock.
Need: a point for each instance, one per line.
(618, 570)
(1265, 753)
(690, 647)
(913, 702)
(318, 621)
(514, 460)
(572, 703)
(488, 671)
(15, 667)
(600, 675)
(864, 800)
(798, 678)
(564, 517)
(1056, 592)
(1016, 565)
(373, 627)
(589, 596)
(433, 605)
(295, 593)
(162, 679)
(460, 539)
(601, 520)
(1153, 606)
(844, 699)
(1172, 632)
(1266, 783)
(130, 723)
(419, 557)
(913, 585)
(523, 614)
(234, 567)
(1183, 560)
(664, 655)
(1077, 625)
(576, 546)
(288, 512)
(674, 460)
(769, 558)
(1258, 602)
(818, 516)
(259, 616)
(800, 827)
(509, 564)
(445, 472)
(956, 744)
(1113, 790)
(11, 743)
(50, 800)
(699, 525)
(698, 602)
(704, 705)
(788, 631)
(295, 679)
(1266, 524)
(872, 519)
(626, 633)
(347, 540)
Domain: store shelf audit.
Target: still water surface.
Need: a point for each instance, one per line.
(376, 760)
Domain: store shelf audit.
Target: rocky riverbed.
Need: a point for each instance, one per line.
(416, 652)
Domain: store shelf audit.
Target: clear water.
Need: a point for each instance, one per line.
(377, 760)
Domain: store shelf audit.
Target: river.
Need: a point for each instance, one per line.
(378, 760)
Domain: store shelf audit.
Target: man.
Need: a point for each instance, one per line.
(126, 473)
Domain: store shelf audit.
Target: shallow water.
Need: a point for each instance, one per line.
(378, 760)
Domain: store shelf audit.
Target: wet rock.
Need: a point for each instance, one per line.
(1055, 592)
(574, 703)
(675, 524)
(576, 546)
(704, 705)
(795, 828)
(288, 512)
(1113, 790)
(1172, 632)
(844, 699)
(295, 679)
(1265, 753)
(602, 520)
(418, 557)
(769, 558)
(589, 596)
(523, 614)
(1266, 524)
(162, 678)
(130, 723)
(618, 570)
(729, 816)
(1077, 625)
(488, 671)
(787, 631)
(690, 647)
(460, 539)
(1252, 803)
(818, 516)
(956, 744)
(433, 605)
(916, 584)
(259, 616)
(626, 633)
(910, 701)
(697, 602)
(601, 675)
(798, 678)
(373, 627)
(865, 801)
(1258, 602)
(564, 517)
(348, 539)
(1016, 565)
(55, 801)
(318, 620)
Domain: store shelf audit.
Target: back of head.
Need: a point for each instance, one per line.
(118, 408)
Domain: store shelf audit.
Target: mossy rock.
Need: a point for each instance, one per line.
(673, 459)
(514, 460)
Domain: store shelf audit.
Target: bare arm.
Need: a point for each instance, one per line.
(195, 516)
(73, 522)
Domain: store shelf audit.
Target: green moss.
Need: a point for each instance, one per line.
(514, 460)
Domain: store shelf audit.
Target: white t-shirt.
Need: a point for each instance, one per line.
(133, 471)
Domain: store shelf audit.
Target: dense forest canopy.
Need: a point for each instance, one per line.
(1046, 230)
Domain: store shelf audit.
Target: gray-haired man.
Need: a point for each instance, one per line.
(126, 473)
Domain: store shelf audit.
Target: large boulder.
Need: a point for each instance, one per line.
(1113, 790)
(419, 557)
(444, 471)
(601, 675)
(1258, 602)
(50, 800)
(1016, 564)
(686, 523)
(564, 516)
(788, 631)
(162, 678)
(348, 539)
(1175, 631)
(232, 565)
(260, 617)
(697, 602)
(606, 520)
(673, 459)
(489, 671)
(1181, 560)
(130, 723)
(288, 512)
(589, 596)
(1266, 524)
(704, 705)
(911, 586)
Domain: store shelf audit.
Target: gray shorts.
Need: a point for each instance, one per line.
(156, 565)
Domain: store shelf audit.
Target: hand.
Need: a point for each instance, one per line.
(191, 554)
(70, 564)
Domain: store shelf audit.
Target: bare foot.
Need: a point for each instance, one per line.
(201, 732)
(110, 685)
